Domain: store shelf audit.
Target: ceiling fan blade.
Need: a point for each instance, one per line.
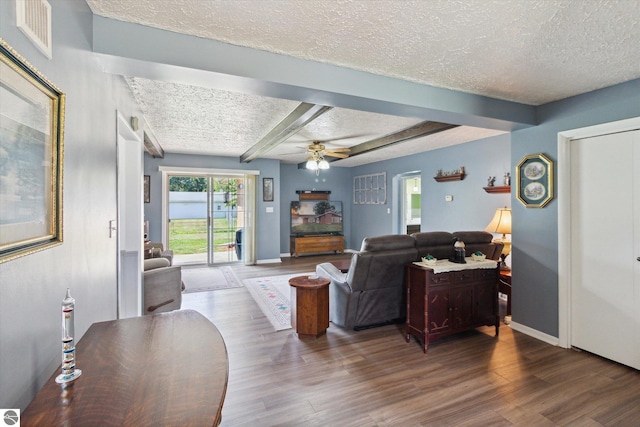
(339, 149)
(331, 153)
(340, 138)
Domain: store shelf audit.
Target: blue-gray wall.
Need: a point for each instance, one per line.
(471, 209)
(268, 223)
(535, 231)
(337, 180)
(32, 287)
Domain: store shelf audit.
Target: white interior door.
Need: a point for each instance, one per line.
(605, 246)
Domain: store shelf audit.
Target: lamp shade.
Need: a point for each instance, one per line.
(323, 164)
(501, 222)
(312, 164)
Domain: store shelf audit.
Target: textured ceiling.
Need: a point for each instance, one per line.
(528, 51)
(193, 119)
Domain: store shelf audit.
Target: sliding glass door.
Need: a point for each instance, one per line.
(226, 219)
(206, 218)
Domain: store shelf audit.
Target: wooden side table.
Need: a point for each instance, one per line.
(309, 305)
(342, 264)
(504, 287)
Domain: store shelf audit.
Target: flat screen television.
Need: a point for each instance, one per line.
(309, 217)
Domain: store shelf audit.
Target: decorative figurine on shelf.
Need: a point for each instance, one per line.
(69, 371)
(507, 179)
(491, 181)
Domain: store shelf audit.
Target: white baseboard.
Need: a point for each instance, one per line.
(549, 339)
(268, 261)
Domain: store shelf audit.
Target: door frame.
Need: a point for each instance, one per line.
(130, 217)
(564, 214)
(166, 171)
(398, 199)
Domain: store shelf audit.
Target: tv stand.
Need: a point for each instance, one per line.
(316, 243)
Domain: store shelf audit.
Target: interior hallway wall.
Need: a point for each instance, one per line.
(32, 287)
(535, 231)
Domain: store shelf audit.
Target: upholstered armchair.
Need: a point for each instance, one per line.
(372, 292)
(162, 285)
(156, 250)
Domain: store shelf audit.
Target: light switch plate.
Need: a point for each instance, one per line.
(269, 209)
(448, 198)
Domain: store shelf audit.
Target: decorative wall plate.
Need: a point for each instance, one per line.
(534, 180)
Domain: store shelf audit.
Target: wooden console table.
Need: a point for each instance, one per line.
(445, 303)
(164, 369)
(320, 243)
(309, 306)
(504, 287)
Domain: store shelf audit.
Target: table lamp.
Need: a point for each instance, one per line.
(501, 223)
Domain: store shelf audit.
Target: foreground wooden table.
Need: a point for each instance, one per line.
(166, 369)
(309, 306)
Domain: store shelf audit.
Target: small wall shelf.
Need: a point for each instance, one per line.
(451, 177)
(498, 189)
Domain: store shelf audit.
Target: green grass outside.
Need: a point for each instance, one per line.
(189, 236)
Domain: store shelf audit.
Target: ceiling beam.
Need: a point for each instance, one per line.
(151, 144)
(416, 131)
(296, 120)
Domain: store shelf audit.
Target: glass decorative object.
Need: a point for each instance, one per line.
(459, 252)
(69, 370)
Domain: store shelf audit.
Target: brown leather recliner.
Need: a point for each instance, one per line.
(372, 292)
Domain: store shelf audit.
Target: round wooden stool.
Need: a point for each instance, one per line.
(309, 305)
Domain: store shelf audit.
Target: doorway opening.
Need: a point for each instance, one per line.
(410, 207)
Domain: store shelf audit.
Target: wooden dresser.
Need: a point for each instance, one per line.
(321, 243)
(441, 304)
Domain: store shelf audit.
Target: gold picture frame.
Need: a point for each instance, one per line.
(534, 180)
(31, 158)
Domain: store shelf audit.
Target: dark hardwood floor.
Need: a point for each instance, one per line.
(374, 378)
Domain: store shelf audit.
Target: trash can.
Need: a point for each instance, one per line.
(239, 243)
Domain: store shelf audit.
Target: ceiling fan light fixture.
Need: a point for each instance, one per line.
(323, 164)
(312, 165)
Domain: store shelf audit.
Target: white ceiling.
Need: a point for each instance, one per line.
(527, 51)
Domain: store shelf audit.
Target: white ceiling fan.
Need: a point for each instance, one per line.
(317, 153)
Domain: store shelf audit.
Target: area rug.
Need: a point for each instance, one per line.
(202, 279)
(272, 294)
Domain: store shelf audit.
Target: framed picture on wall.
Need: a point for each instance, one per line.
(534, 180)
(147, 189)
(31, 153)
(267, 189)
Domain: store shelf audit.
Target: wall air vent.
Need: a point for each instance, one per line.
(33, 18)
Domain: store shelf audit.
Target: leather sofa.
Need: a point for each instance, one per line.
(440, 243)
(372, 292)
(162, 285)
